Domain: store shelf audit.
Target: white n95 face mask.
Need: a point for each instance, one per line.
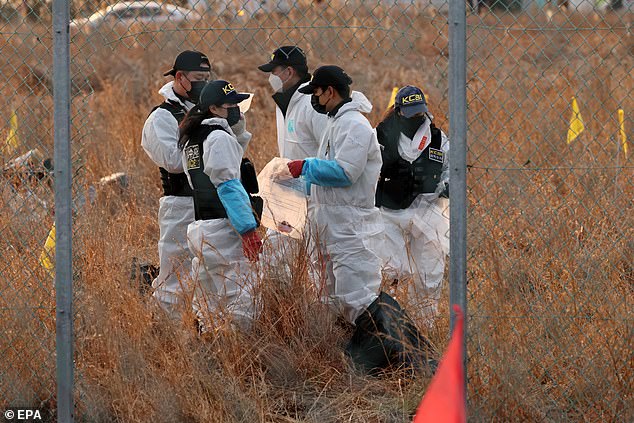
(276, 83)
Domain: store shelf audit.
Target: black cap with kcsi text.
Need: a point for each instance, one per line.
(327, 76)
(219, 92)
(190, 61)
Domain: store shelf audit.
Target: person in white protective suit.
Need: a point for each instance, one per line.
(344, 176)
(223, 237)
(299, 126)
(159, 139)
(412, 195)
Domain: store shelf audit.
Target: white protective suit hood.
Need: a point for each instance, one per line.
(167, 91)
(243, 137)
(221, 122)
(359, 103)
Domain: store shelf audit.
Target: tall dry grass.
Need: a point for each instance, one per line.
(550, 236)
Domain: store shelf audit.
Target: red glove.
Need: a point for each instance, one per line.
(295, 167)
(252, 245)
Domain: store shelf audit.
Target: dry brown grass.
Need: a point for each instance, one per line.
(550, 242)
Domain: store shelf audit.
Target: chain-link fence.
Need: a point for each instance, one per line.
(27, 295)
(550, 221)
(550, 95)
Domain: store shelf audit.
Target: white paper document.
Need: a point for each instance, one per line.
(284, 199)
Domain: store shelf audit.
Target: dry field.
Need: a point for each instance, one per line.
(551, 280)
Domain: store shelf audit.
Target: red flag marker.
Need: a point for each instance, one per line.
(444, 401)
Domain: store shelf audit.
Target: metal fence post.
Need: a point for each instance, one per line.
(458, 160)
(63, 210)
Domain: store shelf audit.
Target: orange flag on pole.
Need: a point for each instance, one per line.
(444, 401)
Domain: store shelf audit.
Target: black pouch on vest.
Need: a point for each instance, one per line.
(248, 176)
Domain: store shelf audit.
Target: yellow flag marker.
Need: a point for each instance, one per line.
(576, 122)
(392, 97)
(13, 142)
(47, 257)
(622, 135)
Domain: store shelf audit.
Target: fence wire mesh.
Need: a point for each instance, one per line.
(550, 215)
(27, 370)
(121, 54)
(550, 221)
(27, 230)
(27, 297)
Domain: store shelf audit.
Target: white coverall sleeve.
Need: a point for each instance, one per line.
(242, 135)
(222, 156)
(160, 141)
(351, 150)
(244, 139)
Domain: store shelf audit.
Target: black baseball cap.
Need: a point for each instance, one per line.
(189, 61)
(327, 76)
(219, 92)
(410, 101)
(286, 56)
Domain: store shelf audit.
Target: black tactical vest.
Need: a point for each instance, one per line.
(400, 181)
(174, 183)
(207, 204)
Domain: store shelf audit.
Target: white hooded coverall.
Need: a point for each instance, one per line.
(159, 140)
(349, 226)
(417, 238)
(299, 132)
(298, 135)
(222, 275)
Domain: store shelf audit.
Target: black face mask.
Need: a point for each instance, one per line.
(233, 115)
(196, 89)
(409, 126)
(314, 101)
